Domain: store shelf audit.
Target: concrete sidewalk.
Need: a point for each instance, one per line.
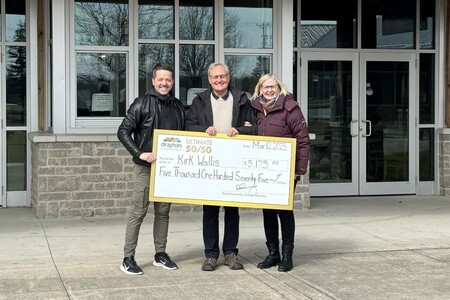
(346, 248)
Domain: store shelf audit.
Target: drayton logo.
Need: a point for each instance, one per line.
(171, 143)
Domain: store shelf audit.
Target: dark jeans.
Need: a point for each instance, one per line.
(287, 223)
(211, 230)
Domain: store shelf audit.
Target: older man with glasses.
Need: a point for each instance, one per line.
(221, 109)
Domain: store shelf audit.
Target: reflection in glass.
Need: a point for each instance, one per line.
(196, 20)
(194, 62)
(247, 69)
(329, 118)
(387, 110)
(101, 84)
(388, 24)
(149, 55)
(426, 154)
(16, 88)
(427, 23)
(156, 19)
(15, 21)
(333, 27)
(426, 89)
(248, 24)
(101, 23)
(16, 155)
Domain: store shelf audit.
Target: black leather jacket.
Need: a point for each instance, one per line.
(142, 119)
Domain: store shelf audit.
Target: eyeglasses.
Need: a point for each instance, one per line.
(269, 87)
(221, 76)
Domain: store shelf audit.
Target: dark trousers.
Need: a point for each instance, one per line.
(211, 231)
(287, 223)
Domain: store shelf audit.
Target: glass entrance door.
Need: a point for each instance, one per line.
(386, 130)
(359, 112)
(329, 93)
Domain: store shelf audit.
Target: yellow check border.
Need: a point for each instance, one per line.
(217, 202)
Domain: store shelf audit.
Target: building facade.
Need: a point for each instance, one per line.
(370, 76)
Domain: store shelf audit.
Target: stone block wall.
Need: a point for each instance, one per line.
(92, 175)
(79, 176)
(444, 161)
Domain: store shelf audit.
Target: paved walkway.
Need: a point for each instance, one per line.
(346, 248)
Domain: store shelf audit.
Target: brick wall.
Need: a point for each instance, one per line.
(92, 175)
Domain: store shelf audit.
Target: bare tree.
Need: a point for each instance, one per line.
(155, 21)
(101, 24)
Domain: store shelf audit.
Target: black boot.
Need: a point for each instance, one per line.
(273, 258)
(286, 262)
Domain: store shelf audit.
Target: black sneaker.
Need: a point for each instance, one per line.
(130, 267)
(163, 260)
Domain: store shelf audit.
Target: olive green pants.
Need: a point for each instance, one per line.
(139, 211)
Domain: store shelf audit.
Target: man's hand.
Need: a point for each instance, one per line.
(211, 130)
(148, 157)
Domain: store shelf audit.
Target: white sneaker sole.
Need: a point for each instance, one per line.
(157, 264)
(122, 268)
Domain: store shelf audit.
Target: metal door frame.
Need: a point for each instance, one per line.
(2, 134)
(397, 187)
(342, 188)
(358, 184)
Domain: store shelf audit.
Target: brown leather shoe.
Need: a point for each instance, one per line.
(233, 262)
(209, 264)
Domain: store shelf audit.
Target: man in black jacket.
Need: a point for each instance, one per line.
(221, 109)
(157, 109)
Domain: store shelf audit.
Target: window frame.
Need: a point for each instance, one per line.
(88, 124)
(96, 124)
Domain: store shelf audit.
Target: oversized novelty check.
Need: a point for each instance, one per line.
(243, 171)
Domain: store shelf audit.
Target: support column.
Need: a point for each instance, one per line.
(447, 63)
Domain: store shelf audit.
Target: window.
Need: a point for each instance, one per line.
(156, 19)
(195, 45)
(248, 25)
(246, 70)
(14, 81)
(426, 89)
(149, 55)
(15, 21)
(427, 24)
(333, 27)
(16, 86)
(101, 74)
(388, 24)
(194, 62)
(101, 23)
(426, 154)
(109, 56)
(101, 84)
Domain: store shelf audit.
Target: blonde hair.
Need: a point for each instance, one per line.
(283, 88)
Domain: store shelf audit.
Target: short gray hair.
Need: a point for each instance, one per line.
(217, 64)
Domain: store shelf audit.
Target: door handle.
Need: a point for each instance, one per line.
(364, 129)
(354, 133)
